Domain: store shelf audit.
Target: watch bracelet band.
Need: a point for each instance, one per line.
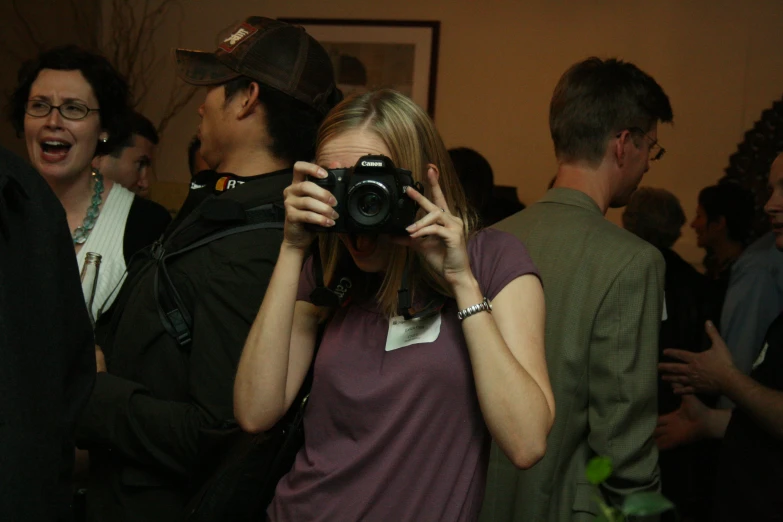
(484, 306)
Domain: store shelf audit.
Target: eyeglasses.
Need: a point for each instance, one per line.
(70, 110)
(656, 151)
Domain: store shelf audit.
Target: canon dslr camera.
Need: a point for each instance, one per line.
(370, 197)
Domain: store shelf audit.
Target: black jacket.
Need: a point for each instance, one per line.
(686, 471)
(687, 308)
(47, 356)
(151, 413)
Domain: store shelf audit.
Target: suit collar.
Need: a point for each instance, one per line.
(573, 197)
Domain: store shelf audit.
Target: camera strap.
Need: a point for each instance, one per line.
(338, 293)
(333, 296)
(404, 293)
(404, 299)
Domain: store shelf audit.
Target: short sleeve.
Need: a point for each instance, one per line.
(497, 258)
(306, 281)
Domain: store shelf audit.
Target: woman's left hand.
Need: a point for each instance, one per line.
(440, 235)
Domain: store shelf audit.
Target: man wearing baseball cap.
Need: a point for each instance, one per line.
(173, 343)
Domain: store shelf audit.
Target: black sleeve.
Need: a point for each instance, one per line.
(146, 222)
(47, 354)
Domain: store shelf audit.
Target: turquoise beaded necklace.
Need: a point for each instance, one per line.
(82, 232)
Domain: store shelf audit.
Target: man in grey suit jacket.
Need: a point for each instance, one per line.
(604, 294)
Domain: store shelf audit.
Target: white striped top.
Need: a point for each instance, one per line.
(106, 239)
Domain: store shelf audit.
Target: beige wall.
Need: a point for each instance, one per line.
(720, 61)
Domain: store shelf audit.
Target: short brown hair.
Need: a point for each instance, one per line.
(654, 215)
(596, 99)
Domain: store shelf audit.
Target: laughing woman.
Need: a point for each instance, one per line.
(71, 105)
(398, 425)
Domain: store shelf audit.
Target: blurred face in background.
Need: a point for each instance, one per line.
(708, 233)
(133, 168)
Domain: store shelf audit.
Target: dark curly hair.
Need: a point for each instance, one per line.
(109, 86)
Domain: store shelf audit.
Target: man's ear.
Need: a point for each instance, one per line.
(249, 101)
(618, 146)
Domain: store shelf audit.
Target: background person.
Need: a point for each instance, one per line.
(723, 224)
(604, 294)
(71, 105)
(162, 401)
(753, 298)
(130, 164)
(687, 473)
(47, 354)
(478, 181)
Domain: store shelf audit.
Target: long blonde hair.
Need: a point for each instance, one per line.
(414, 143)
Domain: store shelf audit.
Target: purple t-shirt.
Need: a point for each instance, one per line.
(395, 435)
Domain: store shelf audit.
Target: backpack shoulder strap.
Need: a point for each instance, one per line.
(172, 309)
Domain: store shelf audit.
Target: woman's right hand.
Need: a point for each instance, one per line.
(306, 203)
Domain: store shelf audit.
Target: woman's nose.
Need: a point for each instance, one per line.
(54, 119)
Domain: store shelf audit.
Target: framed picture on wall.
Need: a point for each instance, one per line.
(371, 54)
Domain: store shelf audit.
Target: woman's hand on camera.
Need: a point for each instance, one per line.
(306, 203)
(440, 235)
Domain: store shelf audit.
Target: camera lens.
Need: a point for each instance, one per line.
(369, 204)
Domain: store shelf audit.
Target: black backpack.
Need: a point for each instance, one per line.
(225, 218)
(237, 472)
(245, 468)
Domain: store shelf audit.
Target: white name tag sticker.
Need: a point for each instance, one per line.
(405, 333)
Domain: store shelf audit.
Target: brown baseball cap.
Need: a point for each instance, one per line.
(277, 54)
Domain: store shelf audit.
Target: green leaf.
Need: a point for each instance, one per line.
(644, 504)
(598, 469)
(609, 515)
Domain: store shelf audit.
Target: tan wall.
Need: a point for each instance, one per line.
(720, 61)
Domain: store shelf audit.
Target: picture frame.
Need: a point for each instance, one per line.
(372, 54)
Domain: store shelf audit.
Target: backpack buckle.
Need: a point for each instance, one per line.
(157, 251)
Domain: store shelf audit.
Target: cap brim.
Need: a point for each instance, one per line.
(202, 68)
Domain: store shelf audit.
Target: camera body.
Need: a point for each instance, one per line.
(370, 197)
